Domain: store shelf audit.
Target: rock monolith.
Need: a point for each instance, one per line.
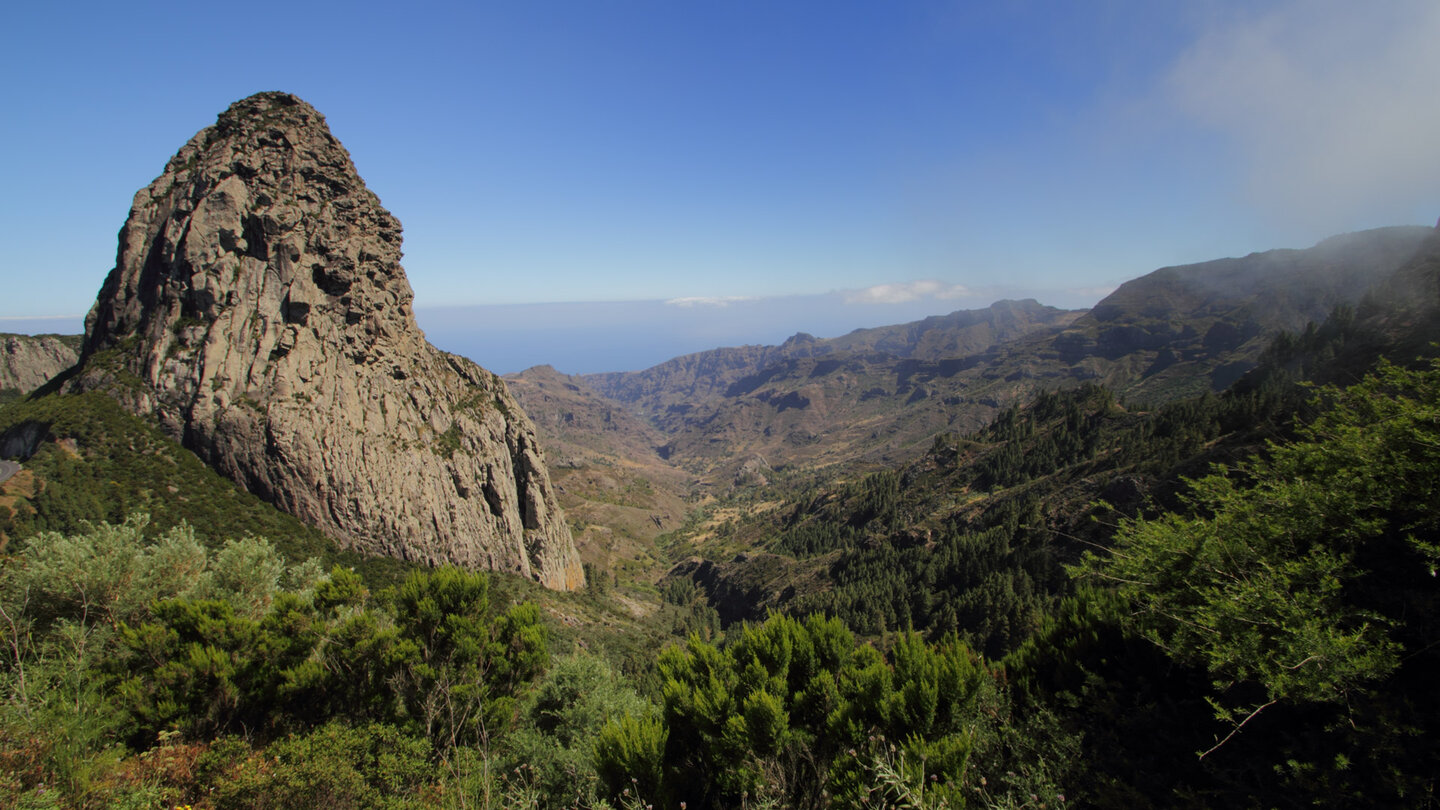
(259, 312)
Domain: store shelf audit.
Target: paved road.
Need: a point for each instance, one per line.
(7, 469)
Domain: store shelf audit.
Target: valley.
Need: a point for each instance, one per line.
(269, 545)
(720, 425)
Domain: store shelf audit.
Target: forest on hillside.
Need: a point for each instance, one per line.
(1224, 601)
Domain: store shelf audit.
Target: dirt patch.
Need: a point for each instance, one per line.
(637, 609)
(22, 484)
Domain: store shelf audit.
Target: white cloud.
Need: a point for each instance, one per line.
(1331, 103)
(708, 301)
(905, 292)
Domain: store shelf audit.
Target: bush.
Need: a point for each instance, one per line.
(334, 767)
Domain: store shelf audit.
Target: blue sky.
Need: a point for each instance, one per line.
(861, 162)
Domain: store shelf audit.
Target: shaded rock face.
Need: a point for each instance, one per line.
(27, 362)
(259, 312)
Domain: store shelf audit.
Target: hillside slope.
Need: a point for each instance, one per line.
(879, 394)
(617, 490)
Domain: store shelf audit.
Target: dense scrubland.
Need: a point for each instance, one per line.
(1227, 600)
(1147, 555)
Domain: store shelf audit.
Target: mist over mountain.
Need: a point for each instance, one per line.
(914, 492)
(882, 393)
(929, 405)
(604, 337)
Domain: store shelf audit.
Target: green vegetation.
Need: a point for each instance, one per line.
(286, 682)
(1302, 583)
(1224, 601)
(1254, 622)
(973, 539)
(990, 583)
(96, 462)
(798, 714)
(448, 443)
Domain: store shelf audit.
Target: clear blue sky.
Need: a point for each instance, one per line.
(938, 153)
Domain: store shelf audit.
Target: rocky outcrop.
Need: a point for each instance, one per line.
(259, 312)
(28, 362)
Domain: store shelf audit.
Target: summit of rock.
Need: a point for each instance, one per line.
(259, 312)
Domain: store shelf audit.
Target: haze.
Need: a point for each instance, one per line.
(850, 163)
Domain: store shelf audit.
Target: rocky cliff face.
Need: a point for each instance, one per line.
(27, 362)
(259, 312)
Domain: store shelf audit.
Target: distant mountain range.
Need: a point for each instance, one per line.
(631, 451)
(880, 394)
(252, 367)
(923, 542)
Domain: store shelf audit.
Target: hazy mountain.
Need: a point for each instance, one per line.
(1183, 330)
(923, 541)
(818, 400)
(882, 393)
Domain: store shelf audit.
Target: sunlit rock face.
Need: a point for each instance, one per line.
(259, 312)
(28, 362)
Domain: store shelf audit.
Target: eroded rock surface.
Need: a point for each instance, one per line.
(27, 362)
(258, 310)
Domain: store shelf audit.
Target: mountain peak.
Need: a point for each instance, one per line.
(259, 311)
(253, 205)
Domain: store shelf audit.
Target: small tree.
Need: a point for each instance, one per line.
(456, 668)
(1304, 579)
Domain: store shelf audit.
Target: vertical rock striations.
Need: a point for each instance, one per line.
(27, 362)
(259, 312)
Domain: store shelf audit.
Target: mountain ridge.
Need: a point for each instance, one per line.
(878, 394)
(1044, 481)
